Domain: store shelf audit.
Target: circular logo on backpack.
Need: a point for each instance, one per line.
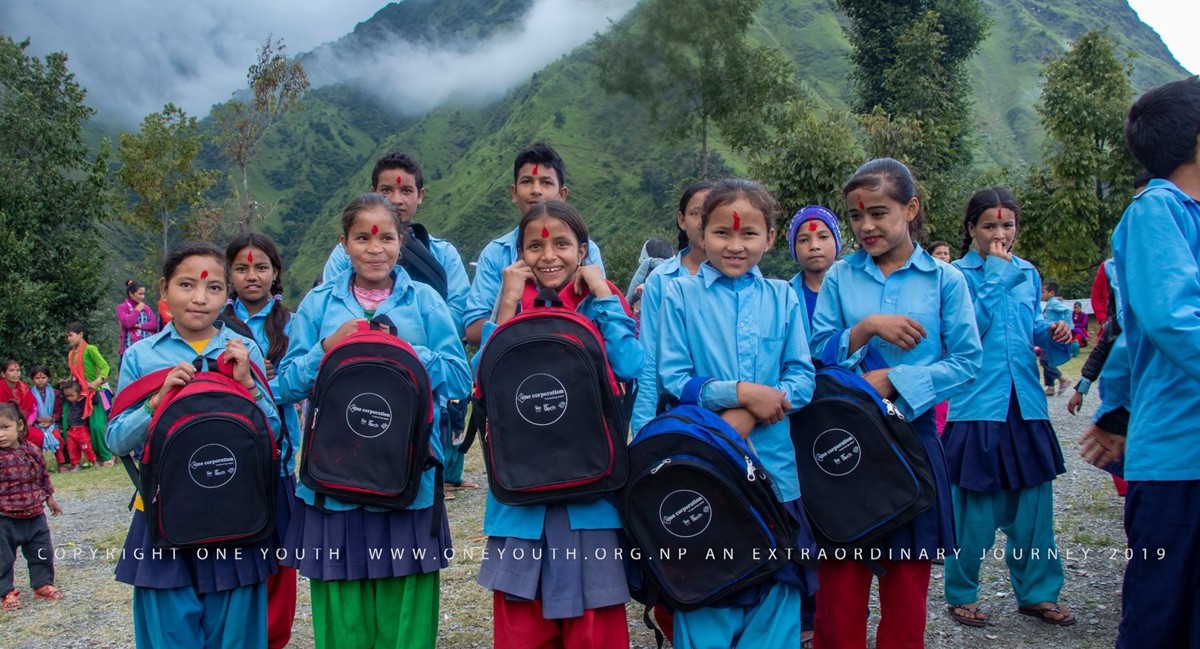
(368, 415)
(541, 399)
(212, 466)
(685, 513)
(837, 452)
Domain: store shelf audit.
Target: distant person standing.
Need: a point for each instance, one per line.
(136, 317)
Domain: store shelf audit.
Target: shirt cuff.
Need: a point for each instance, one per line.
(719, 395)
(1083, 386)
(915, 389)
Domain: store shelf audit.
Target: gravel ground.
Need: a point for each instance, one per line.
(95, 614)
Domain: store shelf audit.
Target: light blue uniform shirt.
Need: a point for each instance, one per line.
(1006, 295)
(291, 420)
(739, 329)
(457, 285)
(127, 432)
(797, 284)
(625, 357)
(1115, 384)
(929, 291)
(645, 405)
(489, 274)
(1157, 251)
(1056, 311)
(422, 318)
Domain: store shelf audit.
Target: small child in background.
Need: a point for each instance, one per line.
(1054, 311)
(46, 419)
(79, 435)
(24, 487)
(655, 252)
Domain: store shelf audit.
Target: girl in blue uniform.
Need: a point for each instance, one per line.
(893, 297)
(256, 282)
(186, 598)
(684, 264)
(373, 573)
(746, 332)
(1002, 452)
(557, 571)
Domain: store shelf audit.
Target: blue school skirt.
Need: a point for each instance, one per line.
(144, 566)
(364, 544)
(1010, 455)
(570, 571)
(933, 529)
(285, 505)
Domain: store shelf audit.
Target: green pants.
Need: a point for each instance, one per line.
(96, 425)
(392, 613)
(1027, 518)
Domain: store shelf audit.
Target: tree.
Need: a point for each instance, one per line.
(1073, 203)
(276, 85)
(808, 159)
(52, 195)
(690, 62)
(913, 92)
(156, 164)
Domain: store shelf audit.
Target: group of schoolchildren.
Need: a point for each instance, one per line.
(919, 330)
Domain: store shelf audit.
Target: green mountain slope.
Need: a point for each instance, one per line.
(621, 173)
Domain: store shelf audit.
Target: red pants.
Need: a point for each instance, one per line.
(79, 444)
(841, 621)
(281, 607)
(520, 625)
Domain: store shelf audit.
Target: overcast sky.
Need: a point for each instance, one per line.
(133, 56)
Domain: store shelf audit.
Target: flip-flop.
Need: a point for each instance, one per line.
(1040, 613)
(965, 619)
(460, 486)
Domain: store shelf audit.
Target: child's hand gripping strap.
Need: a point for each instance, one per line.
(566, 296)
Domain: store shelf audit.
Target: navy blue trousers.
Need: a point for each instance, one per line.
(1161, 597)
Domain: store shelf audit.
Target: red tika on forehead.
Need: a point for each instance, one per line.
(862, 205)
(204, 274)
(399, 180)
(535, 169)
(250, 256)
(545, 232)
(737, 221)
(374, 229)
(812, 226)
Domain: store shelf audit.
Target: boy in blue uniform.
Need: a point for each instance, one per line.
(538, 175)
(1156, 247)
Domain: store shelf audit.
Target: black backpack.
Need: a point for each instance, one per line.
(863, 471)
(210, 468)
(417, 258)
(368, 439)
(549, 406)
(699, 509)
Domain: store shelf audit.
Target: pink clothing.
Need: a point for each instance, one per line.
(136, 324)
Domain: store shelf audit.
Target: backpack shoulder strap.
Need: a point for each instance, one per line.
(420, 262)
(139, 391)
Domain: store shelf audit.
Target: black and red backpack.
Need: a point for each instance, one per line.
(549, 406)
(210, 465)
(368, 439)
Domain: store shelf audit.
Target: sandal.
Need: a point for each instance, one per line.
(461, 485)
(446, 495)
(806, 643)
(12, 601)
(1043, 613)
(47, 592)
(969, 619)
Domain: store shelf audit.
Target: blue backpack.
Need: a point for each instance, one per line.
(699, 508)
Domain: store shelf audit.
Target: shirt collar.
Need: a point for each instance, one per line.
(709, 275)
(240, 310)
(974, 260)
(919, 260)
(1162, 183)
(402, 284)
(170, 333)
